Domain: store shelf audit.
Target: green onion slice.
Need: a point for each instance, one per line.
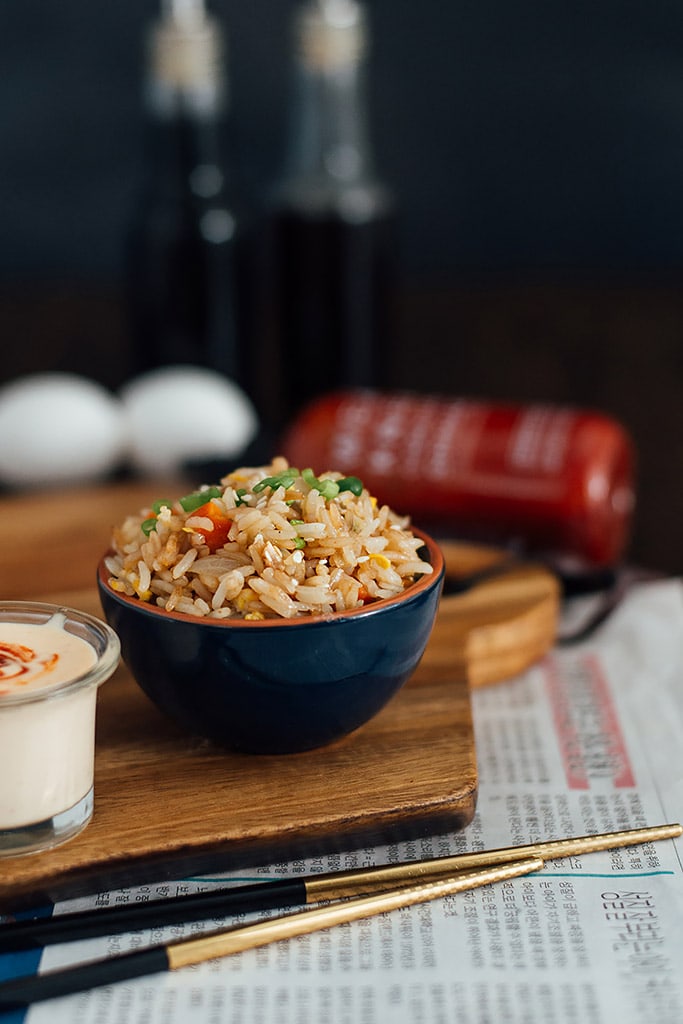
(327, 489)
(331, 488)
(161, 503)
(351, 483)
(193, 501)
(284, 479)
(148, 525)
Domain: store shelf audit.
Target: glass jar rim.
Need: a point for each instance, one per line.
(93, 631)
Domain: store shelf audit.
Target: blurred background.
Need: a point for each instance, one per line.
(536, 152)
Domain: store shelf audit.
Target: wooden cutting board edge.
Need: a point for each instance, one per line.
(504, 624)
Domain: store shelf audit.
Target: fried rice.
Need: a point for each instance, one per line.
(268, 542)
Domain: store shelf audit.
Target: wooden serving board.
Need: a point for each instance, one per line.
(168, 805)
(499, 626)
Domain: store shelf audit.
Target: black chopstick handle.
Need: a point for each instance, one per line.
(124, 917)
(21, 992)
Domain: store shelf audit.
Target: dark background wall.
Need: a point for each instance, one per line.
(537, 151)
(524, 136)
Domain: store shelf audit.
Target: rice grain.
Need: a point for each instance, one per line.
(290, 550)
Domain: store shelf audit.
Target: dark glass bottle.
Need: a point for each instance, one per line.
(331, 220)
(183, 256)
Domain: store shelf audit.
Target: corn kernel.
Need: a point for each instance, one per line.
(244, 598)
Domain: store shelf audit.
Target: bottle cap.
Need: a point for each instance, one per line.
(331, 34)
(186, 51)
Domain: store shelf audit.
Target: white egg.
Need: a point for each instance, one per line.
(183, 413)
(58, 428)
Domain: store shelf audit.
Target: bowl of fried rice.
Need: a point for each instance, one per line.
(276, 611)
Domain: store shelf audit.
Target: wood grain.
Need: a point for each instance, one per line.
(168, 805)
(500, 626)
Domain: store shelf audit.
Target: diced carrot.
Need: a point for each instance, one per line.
(222, 522)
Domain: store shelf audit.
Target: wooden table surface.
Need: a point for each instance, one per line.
(411, 771)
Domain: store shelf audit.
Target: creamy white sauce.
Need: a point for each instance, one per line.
(33, 657)
(46, 745)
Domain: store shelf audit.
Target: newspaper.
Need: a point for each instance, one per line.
(586, 741)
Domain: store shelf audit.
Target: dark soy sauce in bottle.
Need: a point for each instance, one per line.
(182, 259)
(332, 222)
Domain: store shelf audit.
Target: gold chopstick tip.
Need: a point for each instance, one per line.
(303, 922)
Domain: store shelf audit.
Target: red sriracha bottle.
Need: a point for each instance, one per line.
(554, 479)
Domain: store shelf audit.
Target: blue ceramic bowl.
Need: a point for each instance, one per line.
(278, 685)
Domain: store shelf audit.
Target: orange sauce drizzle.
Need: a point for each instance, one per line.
(21, 664)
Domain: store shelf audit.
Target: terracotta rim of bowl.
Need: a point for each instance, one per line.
(426, 582)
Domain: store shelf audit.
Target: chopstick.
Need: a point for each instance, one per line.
(283, 893)
(21, 992)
